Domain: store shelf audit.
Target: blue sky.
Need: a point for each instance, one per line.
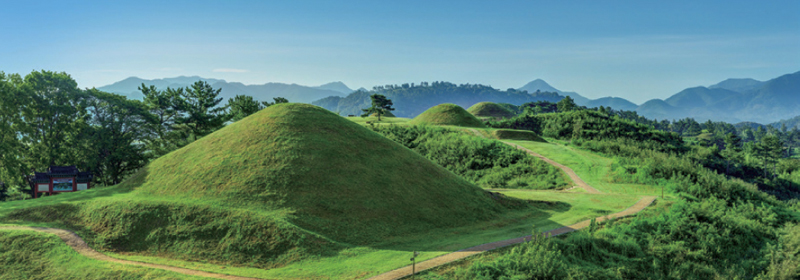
(633, 49)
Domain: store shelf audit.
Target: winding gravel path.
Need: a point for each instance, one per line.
(447, 258)
(77, 243)
(575, 179)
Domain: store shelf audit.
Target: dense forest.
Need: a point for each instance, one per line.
(413, 99)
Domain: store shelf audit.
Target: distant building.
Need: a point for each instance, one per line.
(59, 179)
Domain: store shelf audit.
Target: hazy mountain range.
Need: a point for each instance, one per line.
(293, 92)
(732, 100)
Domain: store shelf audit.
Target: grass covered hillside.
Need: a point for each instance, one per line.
(490, 109)
(447, 114)
(290, 182)
(337, 177)
(511, 134)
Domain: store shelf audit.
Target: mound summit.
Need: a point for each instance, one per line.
(490, 109)
(447, 114)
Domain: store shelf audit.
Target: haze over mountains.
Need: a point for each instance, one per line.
(293, 92)
(731, 100)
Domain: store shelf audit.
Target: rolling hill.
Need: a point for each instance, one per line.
(733, 100)
(617, 103)
(290, 181)
(738, 85)
(447, 114)
(490, 109)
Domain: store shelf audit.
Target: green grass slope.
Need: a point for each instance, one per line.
(490, 109)
(291, 182)
(513, 134)
(447, 114)
(34, 255)
(337, 177)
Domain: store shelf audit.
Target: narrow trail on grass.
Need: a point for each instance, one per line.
(76, 242)
(447, 258)
(574, 177)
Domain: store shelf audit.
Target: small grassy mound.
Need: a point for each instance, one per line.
(490, 109)
(35, 255)
(447, 114)
(511, 134)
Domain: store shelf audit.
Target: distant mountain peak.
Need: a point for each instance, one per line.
(738, 85)
(539, 85)
(336, 86)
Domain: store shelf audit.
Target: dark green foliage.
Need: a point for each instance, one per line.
(488, 163)
(119, 128)
(202, 116)
(241, 106)
(380, 106)
(590, 125)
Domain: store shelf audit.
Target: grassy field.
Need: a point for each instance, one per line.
(374, 120)
(35, 255)
(289, 213)
(592, 168)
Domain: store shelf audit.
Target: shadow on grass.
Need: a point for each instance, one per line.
(503, 230)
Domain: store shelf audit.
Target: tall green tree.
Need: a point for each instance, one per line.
(11, 149)
(567, 104)
(241, 106)
(164, 105)
(119, 129)
(201, 114)
(769, 150)
(380, 106)
(733, 151)
(54, 116)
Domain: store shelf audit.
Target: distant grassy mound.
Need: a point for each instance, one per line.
(447, 114)
(490, 109)
(290, 181)
(511, 134)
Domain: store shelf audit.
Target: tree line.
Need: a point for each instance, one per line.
(45, 119)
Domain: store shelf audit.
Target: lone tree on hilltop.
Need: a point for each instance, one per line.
(567, 104)
(380, 106)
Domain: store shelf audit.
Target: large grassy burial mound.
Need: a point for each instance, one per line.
(339, 178)
(490, 109)
(290, 181)
(447, 114)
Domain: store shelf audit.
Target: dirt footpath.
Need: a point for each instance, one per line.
(77, 243)
(447, 258)
(575, 179)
